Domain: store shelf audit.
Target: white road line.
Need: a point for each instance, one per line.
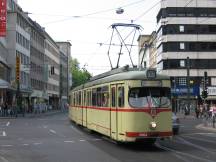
(69, 141)
(25, 144)
(6, 145)
(82, 140)
(97, 139)
(39, 143)
(4, 134)
(52, 131)
(8, 123)
(45, 126)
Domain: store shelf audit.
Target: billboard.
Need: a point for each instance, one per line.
(3, 17)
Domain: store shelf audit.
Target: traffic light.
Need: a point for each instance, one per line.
(17, 68)
(206, 79)
(205, 93)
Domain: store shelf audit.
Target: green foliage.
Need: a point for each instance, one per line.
(79, 76)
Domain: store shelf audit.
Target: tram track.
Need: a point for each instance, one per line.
(186, 157)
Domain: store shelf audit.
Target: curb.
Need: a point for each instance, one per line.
(202, 127)
(42, 114)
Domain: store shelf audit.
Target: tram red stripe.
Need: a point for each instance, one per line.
(149, 134)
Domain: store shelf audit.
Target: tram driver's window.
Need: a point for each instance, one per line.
(120, 96)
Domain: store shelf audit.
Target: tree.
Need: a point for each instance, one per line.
(79, 76)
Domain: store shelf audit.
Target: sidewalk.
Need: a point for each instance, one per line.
(48, 113)
(33, 115)
(205, 125)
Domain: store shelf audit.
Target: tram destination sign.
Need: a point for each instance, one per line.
(149, 83)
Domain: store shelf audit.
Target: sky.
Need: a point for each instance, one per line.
(86, 24)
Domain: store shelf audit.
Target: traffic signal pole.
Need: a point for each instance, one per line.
(188, 83)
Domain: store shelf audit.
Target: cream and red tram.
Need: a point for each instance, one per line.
(126, 105)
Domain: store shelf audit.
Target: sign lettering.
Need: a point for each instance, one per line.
(3, 17)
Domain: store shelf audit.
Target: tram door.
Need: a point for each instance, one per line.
(116, 90)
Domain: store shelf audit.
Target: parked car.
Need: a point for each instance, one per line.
(175, 124)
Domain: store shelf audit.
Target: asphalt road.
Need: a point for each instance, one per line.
(55, 139)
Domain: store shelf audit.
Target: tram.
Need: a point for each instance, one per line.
(126, 104)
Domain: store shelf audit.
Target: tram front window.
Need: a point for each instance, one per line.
(149, 97)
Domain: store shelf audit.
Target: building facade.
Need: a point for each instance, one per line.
(44, 64)
(147, 51)
(52, 70)
(65, 56)
(187, 29)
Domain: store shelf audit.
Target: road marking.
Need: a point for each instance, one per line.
(6, 145)
(4, 134)
(45, 126)
(82, 140)
(8, 123)
(25, 144)
(69, 141)
(52, 131)
(39, 143)
(97, 139)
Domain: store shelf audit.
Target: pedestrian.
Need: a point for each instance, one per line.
(197, 110)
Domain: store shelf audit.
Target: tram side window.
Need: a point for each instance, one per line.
(94, 97)
(105, 96)
(89, 98)
(79, 99)
(113, 97)
(99, 96)
(120, 96)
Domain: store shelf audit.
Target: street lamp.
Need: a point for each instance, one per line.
(119, 10)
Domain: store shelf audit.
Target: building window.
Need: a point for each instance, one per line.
(182, 81)
(182, 46)
(181, 29)
(182, 63)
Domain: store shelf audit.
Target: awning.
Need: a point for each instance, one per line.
(4, 84)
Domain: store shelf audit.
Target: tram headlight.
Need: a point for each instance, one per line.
(153, 125)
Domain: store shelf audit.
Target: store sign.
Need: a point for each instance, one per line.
(3, 17)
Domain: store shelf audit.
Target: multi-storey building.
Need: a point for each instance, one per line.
(147, 51)
(16, 43)
(38, 68)
(44, 64)
(52, 63)
(187, 29)
(65, 55)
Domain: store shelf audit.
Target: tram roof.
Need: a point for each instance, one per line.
(128, 74)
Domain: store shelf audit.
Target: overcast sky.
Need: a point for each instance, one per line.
(85, 23)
